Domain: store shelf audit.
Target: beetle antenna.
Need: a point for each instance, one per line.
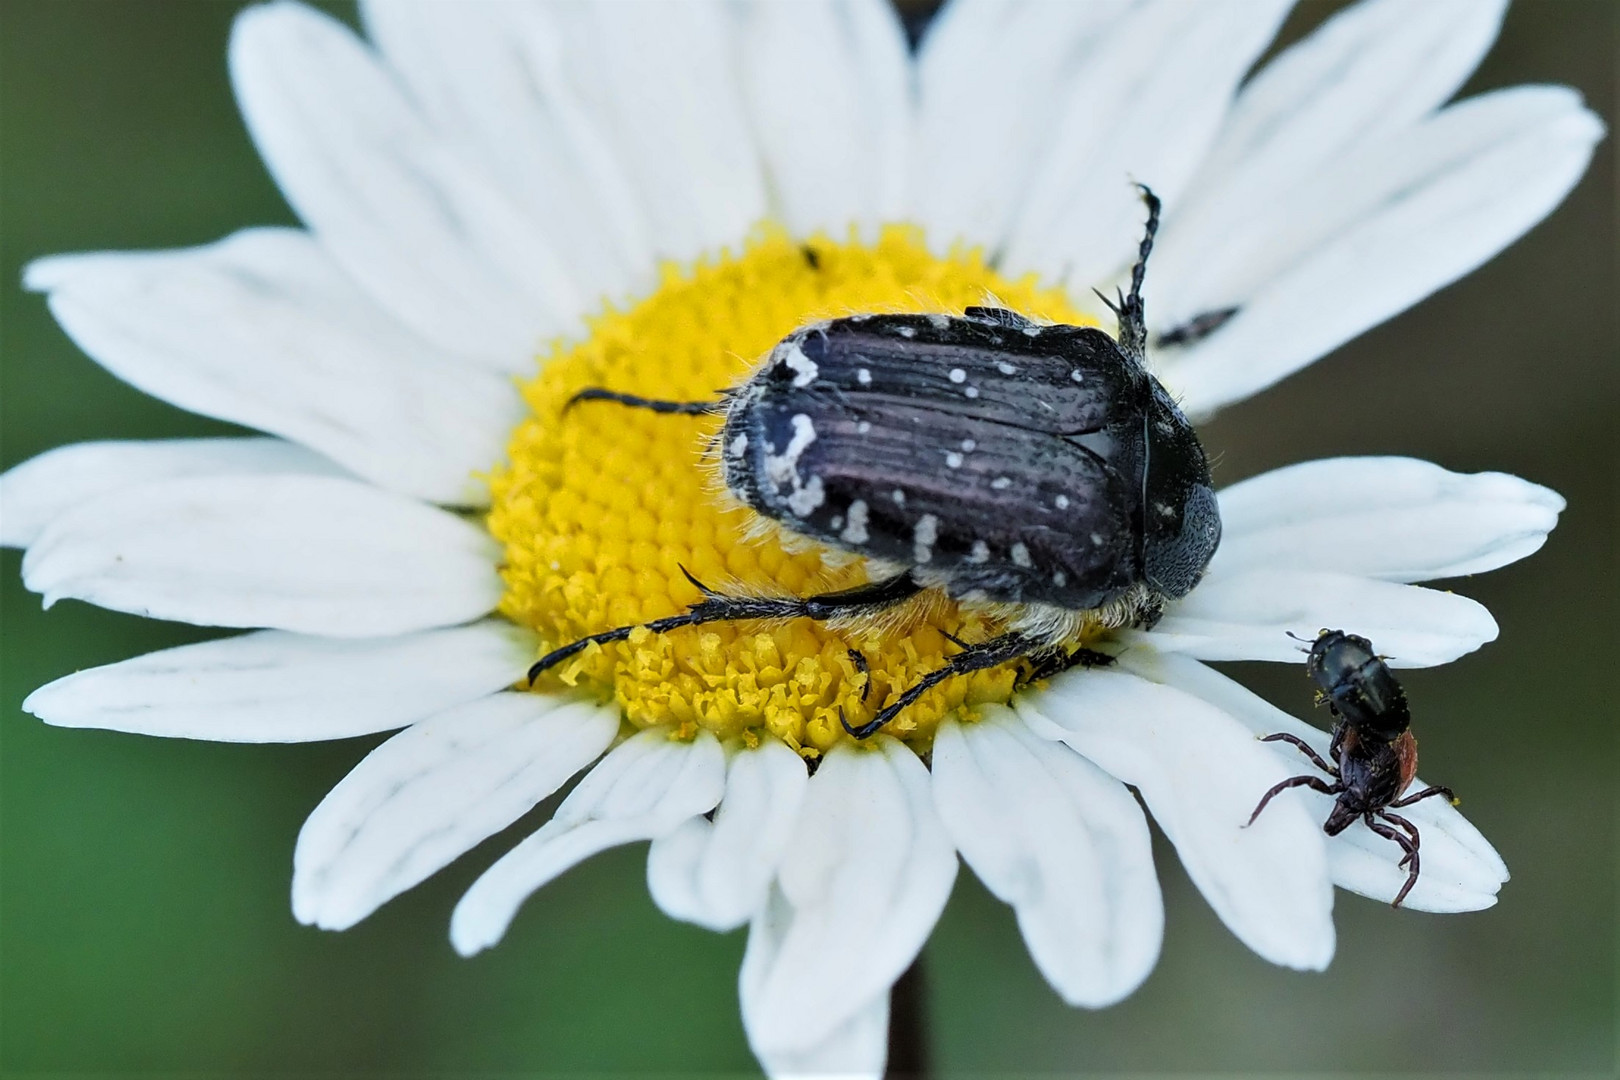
(1132, 323)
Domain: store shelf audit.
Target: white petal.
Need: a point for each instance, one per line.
(39, 489)
(660, 83)
(1372, 69)
(422, 230)
(863, 882)
(715, 873)
(1376, 233)
(827, 82)
(1248, 615)
(479, 74)
(262, 329)
(1199, 771)
(273, 686)
(1393, 518)
(645, 788)
(1061, 841)
(990, 78)
(857, 1051)
(1460, 870)
(429, 794)
(1145, 108)
(313, 554)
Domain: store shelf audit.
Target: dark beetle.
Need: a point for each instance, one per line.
(1038, 471)
(1372, 743)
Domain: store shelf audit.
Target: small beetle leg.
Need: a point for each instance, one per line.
(1197, 328)
(1300, 744)
(858, 658)
(686, 408)
(1315, 783)
(1426, 793)
(986, 654)
(1407, 845)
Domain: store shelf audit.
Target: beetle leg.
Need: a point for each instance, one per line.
(1315, 783)
(1407, 845)
(858, 658)
(1426, 793)
(1054, 661)
(715, 607)
(986, 654)
(687, 408)
(1303, 747)
(1411, 829)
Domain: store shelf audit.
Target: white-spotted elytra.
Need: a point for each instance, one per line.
(1036, 470)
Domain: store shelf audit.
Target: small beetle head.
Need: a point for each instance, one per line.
(1181, 517)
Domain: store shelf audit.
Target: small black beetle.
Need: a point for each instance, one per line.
(1372, 743)
(1037, 471)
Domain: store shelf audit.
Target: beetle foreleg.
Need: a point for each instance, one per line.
(1300, 744)
(1315, 783)
(986, 654)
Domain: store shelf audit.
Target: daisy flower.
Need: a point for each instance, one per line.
(504, 203)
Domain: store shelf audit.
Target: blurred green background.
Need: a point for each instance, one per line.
(144, 920)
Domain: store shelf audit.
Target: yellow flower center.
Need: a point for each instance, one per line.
(602, 505)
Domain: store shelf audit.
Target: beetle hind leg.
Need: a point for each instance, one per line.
(1409, 844)
(986, 654)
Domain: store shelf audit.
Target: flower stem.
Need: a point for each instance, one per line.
(908, 1043)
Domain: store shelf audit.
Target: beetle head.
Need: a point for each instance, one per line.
(1181, 517)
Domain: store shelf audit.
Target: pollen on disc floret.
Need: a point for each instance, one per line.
(600, 509)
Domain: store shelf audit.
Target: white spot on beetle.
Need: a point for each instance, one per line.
(1059, 578)
(805, 368)
(923, 535)
(863, 376)
(1061, 502)
(863, 426)
(1001, 483)
(980, 552)
(1096, 539)
(906, 331)
(1032, 331)
(972, 391)
(953, 459)
(855, 532)
(939, 322)
(1020, 554)
(837, 521)
(806, 498)
(1005, 368)
(968, 446)
(1077, 375)
(898, 496)
(739, 446)
(958, 376)
(783, 468)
